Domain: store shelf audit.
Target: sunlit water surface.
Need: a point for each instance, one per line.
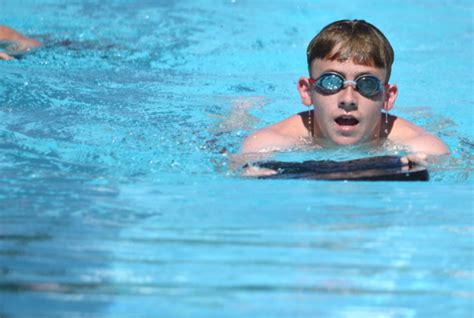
(117, 202)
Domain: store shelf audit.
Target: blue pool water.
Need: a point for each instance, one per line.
(116, 202)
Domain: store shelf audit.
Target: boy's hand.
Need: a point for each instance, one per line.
(252, 171)
(419, 159)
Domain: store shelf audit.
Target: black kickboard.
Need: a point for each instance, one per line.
(381, 168)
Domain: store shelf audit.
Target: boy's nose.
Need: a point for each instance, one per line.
(348, 101)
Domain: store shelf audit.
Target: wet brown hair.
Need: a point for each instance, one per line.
(354, 40)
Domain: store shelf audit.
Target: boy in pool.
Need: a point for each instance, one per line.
(17, 43)
(349, 69)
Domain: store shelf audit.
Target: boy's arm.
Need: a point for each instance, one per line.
(257, 147)
(265, 140)
(427, 144)
(282, 135)
(21, 43)
(261, 144)
(418, 141)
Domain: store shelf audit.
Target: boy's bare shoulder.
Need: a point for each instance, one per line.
(416, 139)
(284, 134)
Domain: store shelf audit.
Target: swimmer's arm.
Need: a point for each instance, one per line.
(266, 140)
(263, 143)
(427, 144)
(21, 43)
(280, 136)
(421, 145)
(257, 147)
(424, 150)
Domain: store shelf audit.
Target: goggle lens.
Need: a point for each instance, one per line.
(366, 85)
(330, 82)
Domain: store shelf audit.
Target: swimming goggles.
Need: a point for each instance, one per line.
(331, 83)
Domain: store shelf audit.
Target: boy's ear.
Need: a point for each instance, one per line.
(391, 93)
(304, 88)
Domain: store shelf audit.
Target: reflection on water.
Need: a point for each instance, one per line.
(220, 254)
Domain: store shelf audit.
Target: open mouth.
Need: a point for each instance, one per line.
(346, 120)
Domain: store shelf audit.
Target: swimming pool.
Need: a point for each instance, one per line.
(116, 202)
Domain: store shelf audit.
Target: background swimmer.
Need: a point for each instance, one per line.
(15, 43)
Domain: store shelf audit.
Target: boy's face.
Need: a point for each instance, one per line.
(347, 117)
